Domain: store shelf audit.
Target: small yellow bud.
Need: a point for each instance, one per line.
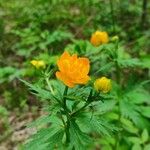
(115, 38)
(38, 64)
(102, 84)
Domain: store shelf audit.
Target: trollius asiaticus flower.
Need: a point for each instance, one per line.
(99, 37)
(73, 70)
(102, 84)
(38, 64)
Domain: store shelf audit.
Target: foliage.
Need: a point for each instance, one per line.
(81, 117)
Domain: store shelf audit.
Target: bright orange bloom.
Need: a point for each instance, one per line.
(99, 38)
(73, 70)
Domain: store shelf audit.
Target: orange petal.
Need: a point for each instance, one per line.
(63, 78)
(85, 65)
(83, 80)
(65, 55)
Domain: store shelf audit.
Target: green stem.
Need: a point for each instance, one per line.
(67, 131)
(67, 125)
(49, 85)
(118, 78)
(112, 14)
(65, 98)
(86, 104)
(117, 73)
(117, 65)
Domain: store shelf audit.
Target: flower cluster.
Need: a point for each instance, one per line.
(74, 70)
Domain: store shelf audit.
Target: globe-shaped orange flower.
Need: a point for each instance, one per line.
(73, 70)
(99, 38)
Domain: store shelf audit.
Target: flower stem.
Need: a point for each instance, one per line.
(49, 85)
(118, 79)
(67, 126)
(112, 14)
(64, 98)
(117, 65)
(86, 104)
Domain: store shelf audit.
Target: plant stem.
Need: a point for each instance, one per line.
(118, 79)
(86, 104)
(67, 126)
(144, 13)
(112, 14)
(64, 97)
(117, 65)
(49, 85)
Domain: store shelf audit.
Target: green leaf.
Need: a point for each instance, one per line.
(138, 96)
(105, 67)
(130, 110)
(104, 107)
(79, 140)
(145, 111)
(147, 147)
(46, 139)
(38, 91)
(128, 125)
(124, 63)
(136, 147)
(40, 121)
(6, 72)
(135, 140)
(90, 122)
(145, 61)
(144, 136)
(3, 111)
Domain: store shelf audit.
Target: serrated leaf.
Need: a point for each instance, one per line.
(144, 136)
(38, 91)
(138, 96)
(40, 121)
(128, 62)
(79, 140)
(92, 123)
(45, 139)
(105, 67)
(104, 107)
(130, 110)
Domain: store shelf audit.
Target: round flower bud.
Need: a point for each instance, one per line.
(115, 38)
(102, 84)
(99, 38)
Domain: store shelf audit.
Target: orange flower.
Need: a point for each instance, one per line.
(99, 38)
(73, 70)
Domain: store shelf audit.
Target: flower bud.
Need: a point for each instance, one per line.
(114, 38)
(38, 64)
(102, 84)
(99, 38)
